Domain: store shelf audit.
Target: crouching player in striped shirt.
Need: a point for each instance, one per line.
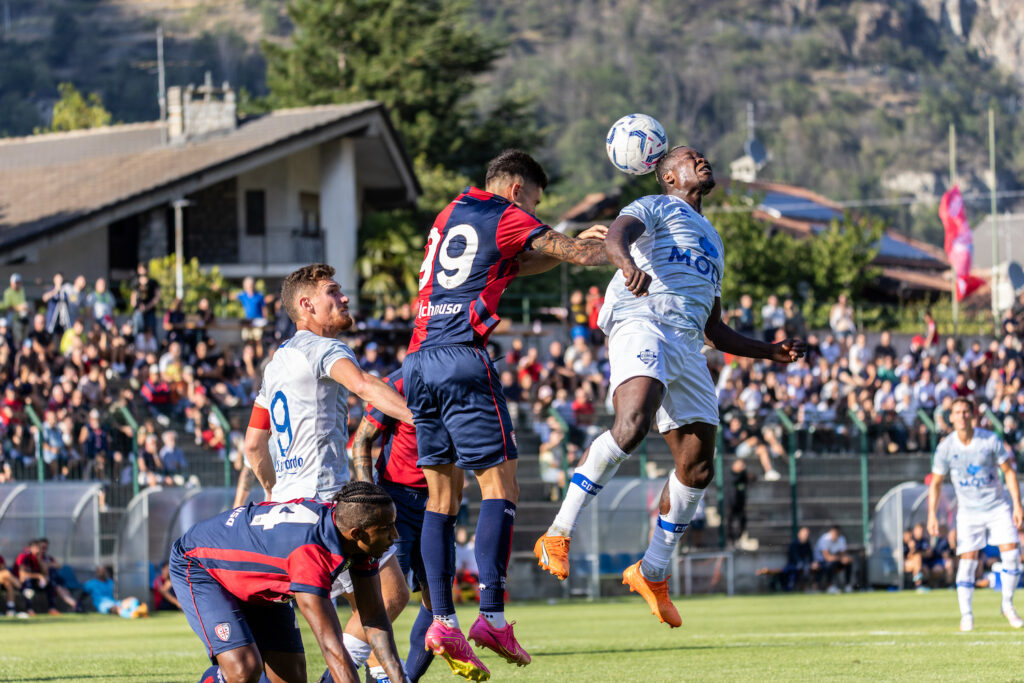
(237, 574)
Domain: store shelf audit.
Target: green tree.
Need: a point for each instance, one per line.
(840, 257)
(73, 111)
(421, 58)
(199, 283)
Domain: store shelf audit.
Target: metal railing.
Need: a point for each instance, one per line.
(38, 424)
(133, 427)
(865, 501)
(787, 426)
(226, 425)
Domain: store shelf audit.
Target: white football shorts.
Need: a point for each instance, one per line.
(343, 584)
(975, 530)
(671, 355)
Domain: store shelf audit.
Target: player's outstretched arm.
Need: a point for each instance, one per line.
(323, 621)
(623, 231)
(362, 450)
(371, 389)
(376, 624)
(934, 491)
(728, 340)
(582, 252)
(533, 262)
(256, 449)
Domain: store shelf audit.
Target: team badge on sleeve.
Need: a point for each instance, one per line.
(223, 631)
(647, 357)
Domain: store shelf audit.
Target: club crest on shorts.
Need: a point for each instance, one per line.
(647, 357)
(514, 442)
(223, 631)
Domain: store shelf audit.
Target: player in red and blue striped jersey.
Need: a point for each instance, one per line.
(399, 475)
(236, 575)
(482, 240)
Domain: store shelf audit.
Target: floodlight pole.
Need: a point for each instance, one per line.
(179, 247)
(994, 278)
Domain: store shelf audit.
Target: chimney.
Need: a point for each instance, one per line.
(195, 113)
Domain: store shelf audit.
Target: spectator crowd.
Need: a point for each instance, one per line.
(81, 361)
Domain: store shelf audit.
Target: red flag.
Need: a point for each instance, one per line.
(958, 243)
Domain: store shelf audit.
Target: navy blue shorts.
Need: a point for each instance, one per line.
(222, 621)
(410, 505)
(455, 396)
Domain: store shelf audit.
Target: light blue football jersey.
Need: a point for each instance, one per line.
(973, 469)
(685, 257)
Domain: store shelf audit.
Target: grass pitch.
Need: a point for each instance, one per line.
(864, 636)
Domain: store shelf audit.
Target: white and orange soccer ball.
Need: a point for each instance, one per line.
(635, 143)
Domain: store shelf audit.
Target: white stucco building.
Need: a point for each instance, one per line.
(268, 194)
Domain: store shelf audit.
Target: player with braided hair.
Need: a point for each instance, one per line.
(237, 574)
(295, 442)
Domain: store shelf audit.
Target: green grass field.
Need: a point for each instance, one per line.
(870, 636)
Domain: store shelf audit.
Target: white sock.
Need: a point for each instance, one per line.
(683, 502)
(965, 584)
(602, 462)
(1011, 574)
(358, 650)
(449, 620)
(495, 619)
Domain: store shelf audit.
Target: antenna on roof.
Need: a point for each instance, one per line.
(161, 80)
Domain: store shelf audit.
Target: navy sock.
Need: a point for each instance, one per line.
(420, 657)
(437, 545)
(493, 545)
(212, 675)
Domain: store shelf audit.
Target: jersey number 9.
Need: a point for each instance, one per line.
(461, 264)
(282, 422)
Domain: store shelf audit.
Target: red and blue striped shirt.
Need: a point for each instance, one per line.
(267, 552)
(471, 258)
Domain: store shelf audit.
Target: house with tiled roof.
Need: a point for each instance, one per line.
(265, 194)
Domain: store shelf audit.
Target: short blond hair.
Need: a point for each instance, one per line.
(299, 282)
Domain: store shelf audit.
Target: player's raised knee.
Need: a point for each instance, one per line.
(630, 428)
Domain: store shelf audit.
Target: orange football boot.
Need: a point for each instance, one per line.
(655, 593)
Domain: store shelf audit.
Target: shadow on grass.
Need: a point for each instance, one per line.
(623, 650)
(82, 677)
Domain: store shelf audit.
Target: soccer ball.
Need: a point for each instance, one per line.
(635, 143)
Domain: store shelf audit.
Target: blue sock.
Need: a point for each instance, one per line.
(437, 544)
(212, 675)
(493, 546)
(420, 657)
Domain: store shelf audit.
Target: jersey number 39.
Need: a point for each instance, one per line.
(462, 265)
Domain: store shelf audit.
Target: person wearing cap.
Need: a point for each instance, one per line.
(371, 361)
(15, 306)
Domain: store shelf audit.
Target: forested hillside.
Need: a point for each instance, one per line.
(847, 96)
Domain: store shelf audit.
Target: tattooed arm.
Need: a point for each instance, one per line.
(533, 262)
(362, 450)
(245, 481)
(582, 252)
